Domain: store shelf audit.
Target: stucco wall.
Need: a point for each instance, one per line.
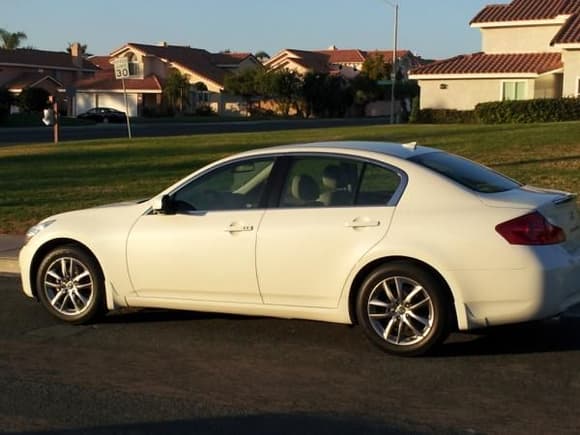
(462, 94)
(519, 39)
(571, 72)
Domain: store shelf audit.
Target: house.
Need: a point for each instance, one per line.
(150, 65)
(347, 63)
(530, 49)
(56, 72)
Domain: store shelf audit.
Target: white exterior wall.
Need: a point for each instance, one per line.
(571, 73)
(464, 94)
(530, 39)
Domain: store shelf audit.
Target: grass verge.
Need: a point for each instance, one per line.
(40, 180)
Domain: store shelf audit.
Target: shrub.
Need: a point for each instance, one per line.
(204, 111)
(446, 116)
(528, 111)
(6, 100)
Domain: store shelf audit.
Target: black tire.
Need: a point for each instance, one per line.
(70, 285)
(403, 309)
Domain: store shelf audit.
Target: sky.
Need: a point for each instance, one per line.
(432, 29)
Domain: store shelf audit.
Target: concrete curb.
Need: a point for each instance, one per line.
(9, 266)
(10, 245)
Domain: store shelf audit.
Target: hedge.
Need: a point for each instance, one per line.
(444, 116)
(529, 111)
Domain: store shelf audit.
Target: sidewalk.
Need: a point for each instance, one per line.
(9, 247)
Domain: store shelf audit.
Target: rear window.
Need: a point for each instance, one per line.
(465, 172)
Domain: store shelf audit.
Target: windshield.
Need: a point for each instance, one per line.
(465, 172)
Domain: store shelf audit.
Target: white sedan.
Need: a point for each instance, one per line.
(407, 241)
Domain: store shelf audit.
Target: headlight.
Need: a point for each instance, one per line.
(33, 231)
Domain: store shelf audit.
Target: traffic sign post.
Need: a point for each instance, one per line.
(122, 72)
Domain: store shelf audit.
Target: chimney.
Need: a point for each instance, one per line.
(162, 44)
(76, 54)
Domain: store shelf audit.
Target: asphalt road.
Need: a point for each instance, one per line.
(161, 372)
(12, 136)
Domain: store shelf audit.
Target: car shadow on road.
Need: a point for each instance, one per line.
(279, 424)
(554, 335)
(152, 315)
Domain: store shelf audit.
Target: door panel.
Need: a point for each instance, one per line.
(205, 256)
(304, 256)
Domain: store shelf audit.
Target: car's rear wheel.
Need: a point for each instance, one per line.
(70, 285)
(403, 309)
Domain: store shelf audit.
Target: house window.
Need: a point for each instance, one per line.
(513, 91)
(134, 65)
(202, 97)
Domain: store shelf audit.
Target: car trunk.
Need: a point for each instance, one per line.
(560, 208)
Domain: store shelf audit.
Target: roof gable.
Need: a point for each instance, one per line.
(212, 66)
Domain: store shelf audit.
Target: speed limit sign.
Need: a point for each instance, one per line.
(122, 68)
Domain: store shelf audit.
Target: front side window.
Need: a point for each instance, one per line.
(237, 186)
(512, 91)
(337, 182)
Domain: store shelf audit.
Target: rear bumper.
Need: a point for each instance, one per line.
(545, 289)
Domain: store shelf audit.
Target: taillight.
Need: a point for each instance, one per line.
(531, 229)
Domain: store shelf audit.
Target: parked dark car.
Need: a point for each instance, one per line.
(103, 114)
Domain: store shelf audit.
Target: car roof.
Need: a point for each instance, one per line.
(399, 150)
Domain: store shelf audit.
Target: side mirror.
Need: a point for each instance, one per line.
(163, 205)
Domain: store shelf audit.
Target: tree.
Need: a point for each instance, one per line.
(33, 99)
(11, 41)
(374, 67)
(246, 84)
(176, 91)
(286, 89)
(82, 51)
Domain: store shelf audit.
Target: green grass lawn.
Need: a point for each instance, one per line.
(39, 180)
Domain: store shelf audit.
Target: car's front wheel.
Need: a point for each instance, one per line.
(70, 285)
(403, 309)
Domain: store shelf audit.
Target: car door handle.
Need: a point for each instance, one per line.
(363, 223)
(238, 228)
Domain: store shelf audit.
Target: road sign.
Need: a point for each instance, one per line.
(122, 68)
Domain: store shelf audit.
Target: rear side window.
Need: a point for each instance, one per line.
(465, 172)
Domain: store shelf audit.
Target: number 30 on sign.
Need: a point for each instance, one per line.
(122, 68)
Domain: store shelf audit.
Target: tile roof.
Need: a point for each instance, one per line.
(480, 63)
(42, 59)
(359, 56)
(570, 32)
(102, 62)
(526, 10)
(105, 81)
(316, 61)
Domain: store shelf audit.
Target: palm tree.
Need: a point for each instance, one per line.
(11, 41)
